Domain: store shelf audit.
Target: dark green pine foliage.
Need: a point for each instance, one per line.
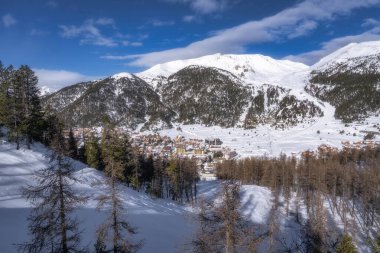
(126, 101)
(204, 95)
(31, 116)
(115, 231)
(346, 245)
(71, 145)
(352, 87)
(92, 152)
(6, 75)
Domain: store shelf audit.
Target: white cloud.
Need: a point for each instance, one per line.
(157, 22)
(336, 43)
(57, 79)
(8, 20)
(189, 18)
(208, 6)
(105, 21)
(52, 4)
(295, 21)
(89, 33)
(133, 44)
(204, 6)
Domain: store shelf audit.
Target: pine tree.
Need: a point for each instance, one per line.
(115, 230)
(6, 75)
(51, 225)
(28, 106)
(92, 152)
(71, 146)
(346, 245)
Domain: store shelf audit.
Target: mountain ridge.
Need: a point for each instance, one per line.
(264, 83)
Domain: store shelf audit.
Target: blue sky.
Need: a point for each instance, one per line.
(66, 41)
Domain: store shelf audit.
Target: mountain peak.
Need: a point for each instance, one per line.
(122, 75)
(352, 50)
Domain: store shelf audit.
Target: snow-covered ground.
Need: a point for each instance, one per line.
(165, 226)
(267, 140)
(258, 70)
(162, 224)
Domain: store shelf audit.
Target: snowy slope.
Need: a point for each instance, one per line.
(156, 220)
(164, 226)
(352, 50)
(251, 68)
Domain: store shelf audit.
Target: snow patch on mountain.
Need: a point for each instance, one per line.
(122, 75)
(352, 50)
(251, 68)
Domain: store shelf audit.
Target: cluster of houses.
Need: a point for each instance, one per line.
(361, 144)
(207, 153)
(326, 149)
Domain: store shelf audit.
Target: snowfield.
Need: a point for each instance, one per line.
(165, 226)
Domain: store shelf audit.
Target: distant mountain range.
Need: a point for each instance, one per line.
(230, 91)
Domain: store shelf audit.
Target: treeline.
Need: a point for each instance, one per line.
(173, 178)
(20, 107)
(348, 181)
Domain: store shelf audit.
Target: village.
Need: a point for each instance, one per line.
(207, 153)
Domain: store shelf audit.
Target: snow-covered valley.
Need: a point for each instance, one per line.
(164, 225)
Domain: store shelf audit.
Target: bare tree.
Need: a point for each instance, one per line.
(51, 225)
(222, 227)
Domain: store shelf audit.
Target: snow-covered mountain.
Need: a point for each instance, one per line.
(352, 55)
(244, 91)
(124, 98)
(251, 68)
(349, 79)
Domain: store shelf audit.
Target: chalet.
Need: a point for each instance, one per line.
(215, 148)
(180, 149)
(198, 151)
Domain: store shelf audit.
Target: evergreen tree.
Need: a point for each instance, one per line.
(115, 230)
(6, 75)
(92, 152)
(71, 146)
(51, 225)
(30, 109)
(346, 245)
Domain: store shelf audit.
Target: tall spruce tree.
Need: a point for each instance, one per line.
(6, 75)
(31, 116)
(93, 153)
(71, 145)
(51, 224)
(115, 231)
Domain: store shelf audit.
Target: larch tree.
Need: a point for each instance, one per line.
(115, 232)
(52, 226)
(222, 227)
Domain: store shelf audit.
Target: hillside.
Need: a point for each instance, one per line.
(274, 102)
(164, 225)
(349, 79)
(125, 99)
